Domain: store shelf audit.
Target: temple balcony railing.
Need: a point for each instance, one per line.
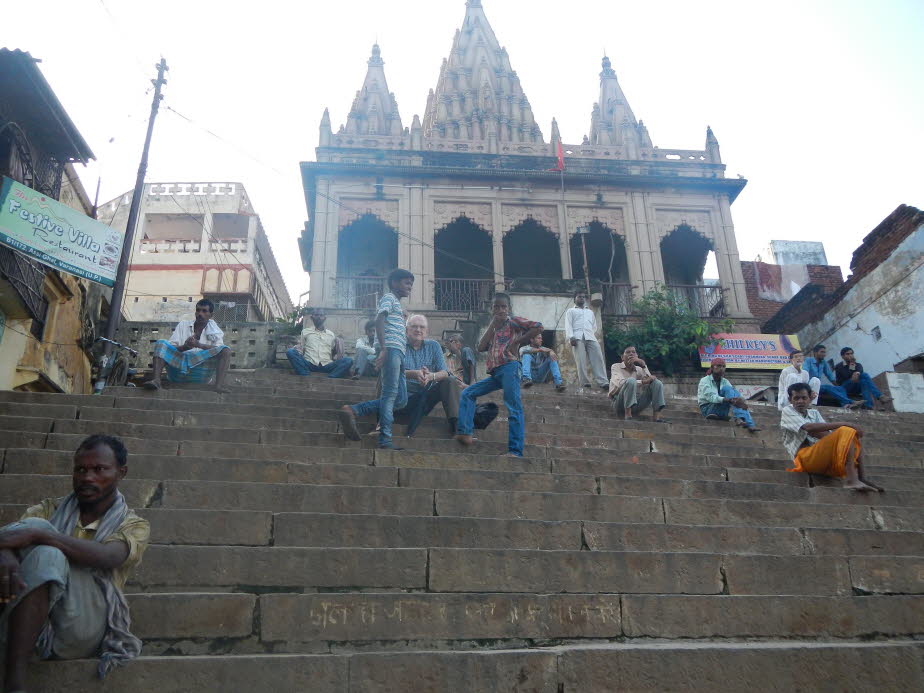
(358, 293)
(463, 295)
(617, 299)
(706, 300)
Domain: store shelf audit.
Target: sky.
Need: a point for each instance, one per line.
(818, 103)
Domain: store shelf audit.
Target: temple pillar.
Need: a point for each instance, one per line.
(564, 247)
(730, 274)
(497, 238)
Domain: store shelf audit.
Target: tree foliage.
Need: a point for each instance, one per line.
(670, 332)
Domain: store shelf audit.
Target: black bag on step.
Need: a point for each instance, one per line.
(485, 414)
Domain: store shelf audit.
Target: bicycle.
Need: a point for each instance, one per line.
(112, 369)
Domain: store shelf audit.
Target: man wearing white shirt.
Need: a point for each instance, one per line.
(195, 352)
(580, 330)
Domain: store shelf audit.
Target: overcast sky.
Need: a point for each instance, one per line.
(819, 103)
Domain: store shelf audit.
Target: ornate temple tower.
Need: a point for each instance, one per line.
(472, 198)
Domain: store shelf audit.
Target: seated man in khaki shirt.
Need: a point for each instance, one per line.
(633, 388)
(63, 567)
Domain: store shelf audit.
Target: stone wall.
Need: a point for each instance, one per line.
(881, 316)
(253, 344)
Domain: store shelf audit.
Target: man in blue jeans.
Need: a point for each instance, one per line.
(502, 340)
(851, 377)
(716, 398)
(320, 351)
(817, 367)
(538, 362)
(392, 333)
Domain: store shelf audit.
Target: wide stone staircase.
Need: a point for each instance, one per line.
(615, 556)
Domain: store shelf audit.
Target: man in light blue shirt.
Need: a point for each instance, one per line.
(817, 367)
(429, 381)
(716, 397)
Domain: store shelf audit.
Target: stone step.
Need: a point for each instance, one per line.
(378, 531)
(337, 530)
(291, 619)
(162, 467)
(643, 667)
(167, 440)
(833, 509)
(195, 527)
(535, 406)
(569, 572)
(275, 569)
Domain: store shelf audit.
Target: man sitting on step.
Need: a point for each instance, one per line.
(320, 351)
(63, 567)
(428, 380)
(461, 360)
(817, 447)
(633, 388)
(194, 353)
(364, 363)
(819, 369)
(851, 377)
(538, 363)
(717, 397)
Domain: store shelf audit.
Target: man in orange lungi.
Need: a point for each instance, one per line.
(817, 447)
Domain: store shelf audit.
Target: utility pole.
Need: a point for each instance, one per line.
(118, 291)
(583, 231)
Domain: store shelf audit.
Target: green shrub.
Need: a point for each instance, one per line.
(669, 333)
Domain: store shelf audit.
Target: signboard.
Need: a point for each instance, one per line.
(56, 235)
(768, 351)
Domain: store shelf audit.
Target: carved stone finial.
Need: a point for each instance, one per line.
(376, 58)
(608, 70)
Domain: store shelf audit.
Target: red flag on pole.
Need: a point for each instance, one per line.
(561, 159)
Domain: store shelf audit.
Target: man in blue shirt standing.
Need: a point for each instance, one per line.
(817, 367)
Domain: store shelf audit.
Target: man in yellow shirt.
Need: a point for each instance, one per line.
(320, 351)
(63, 567)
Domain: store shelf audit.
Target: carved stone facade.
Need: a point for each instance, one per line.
(478, 156)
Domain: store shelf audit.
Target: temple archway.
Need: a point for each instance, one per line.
(606, 255)
(685, 255)
(367, 250)
(463, 261)
(531, 251)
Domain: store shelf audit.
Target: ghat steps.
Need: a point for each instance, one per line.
(614, 556)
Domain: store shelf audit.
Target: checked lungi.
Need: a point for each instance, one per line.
(192, 366)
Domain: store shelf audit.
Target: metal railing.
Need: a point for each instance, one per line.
(617, 299)
(358, 293)
(704, 300)
(464, 295)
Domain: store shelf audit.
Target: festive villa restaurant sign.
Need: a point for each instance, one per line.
(770, 351)
(56, 235)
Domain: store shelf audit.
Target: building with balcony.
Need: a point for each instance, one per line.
(473, 198)
(48, 319)
(198, 240)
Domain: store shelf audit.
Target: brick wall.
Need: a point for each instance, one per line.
(827, 277)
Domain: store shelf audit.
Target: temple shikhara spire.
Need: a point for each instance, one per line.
(478, 94)
(374, 110)
(612, 121)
